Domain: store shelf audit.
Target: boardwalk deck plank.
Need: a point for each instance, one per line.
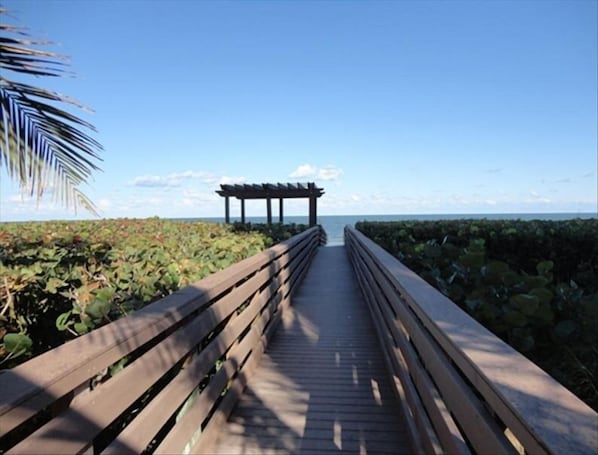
(321, 386)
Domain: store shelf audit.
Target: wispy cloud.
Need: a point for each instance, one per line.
(493, 171)
(327, 173)
(330, 173)
(536, 197)
(225, 180)
(173, 180)
(154, 181)
(303, 171)
(24, 203)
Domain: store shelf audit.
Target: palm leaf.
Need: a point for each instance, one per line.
(42, 145)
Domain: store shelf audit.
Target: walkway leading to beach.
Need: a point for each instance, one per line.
(322, 384)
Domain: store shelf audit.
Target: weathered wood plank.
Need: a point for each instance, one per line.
(543, 415)
(32, 386)
(422, 434)
(322, 383)
(481, 430)
(245, 301)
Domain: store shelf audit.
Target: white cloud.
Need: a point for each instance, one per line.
(310, 171)
(23, 204)
(304, 170)
(154, 181)
(330, 173)
(174, 179)
(203, 176)
(225, 180)
(536, 197)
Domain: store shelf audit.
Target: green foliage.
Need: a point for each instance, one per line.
(59, 280)
(275, 232)
(533, 283)
(42, 144)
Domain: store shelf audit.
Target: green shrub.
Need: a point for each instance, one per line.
(532, 283)
(61, 279)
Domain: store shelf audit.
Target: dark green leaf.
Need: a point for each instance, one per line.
(565, 329)
(515, 318)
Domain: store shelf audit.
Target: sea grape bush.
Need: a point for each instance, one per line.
(532, 283)
(59, 280)
(277, 231)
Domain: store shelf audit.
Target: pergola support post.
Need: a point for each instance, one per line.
(313, 210)
(227, 209)
(269, 209)
(243, 211)
(280, 210)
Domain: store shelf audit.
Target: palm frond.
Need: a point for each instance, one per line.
(41, 145)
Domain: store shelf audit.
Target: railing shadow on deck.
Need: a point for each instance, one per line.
(348, 428)
(189, 357)
(463, 389)
(314, 419)
(296, 408)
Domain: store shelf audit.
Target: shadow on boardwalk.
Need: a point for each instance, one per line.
(322, 385)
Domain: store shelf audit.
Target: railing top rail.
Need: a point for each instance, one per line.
(525, 397)
(29, 387)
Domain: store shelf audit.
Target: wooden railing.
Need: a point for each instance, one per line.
(463, 390)
(188, 357)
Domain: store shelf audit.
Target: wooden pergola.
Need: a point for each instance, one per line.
(269, 191)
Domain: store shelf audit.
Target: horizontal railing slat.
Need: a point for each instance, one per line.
(475, 423)
(246, 297)
(140, 432)
(416, 413)
(447, 430)
(543, 416)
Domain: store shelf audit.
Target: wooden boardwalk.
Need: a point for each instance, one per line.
(321, 385)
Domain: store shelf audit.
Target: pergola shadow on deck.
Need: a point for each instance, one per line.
(269, 191)
(322, 385)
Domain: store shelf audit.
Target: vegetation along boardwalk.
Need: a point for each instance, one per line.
(322, 384)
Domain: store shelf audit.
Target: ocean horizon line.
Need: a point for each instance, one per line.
(468, 214)
(334, 225)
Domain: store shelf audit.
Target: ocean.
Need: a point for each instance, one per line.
(334, 225)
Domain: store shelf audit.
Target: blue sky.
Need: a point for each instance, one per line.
(397, 107)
